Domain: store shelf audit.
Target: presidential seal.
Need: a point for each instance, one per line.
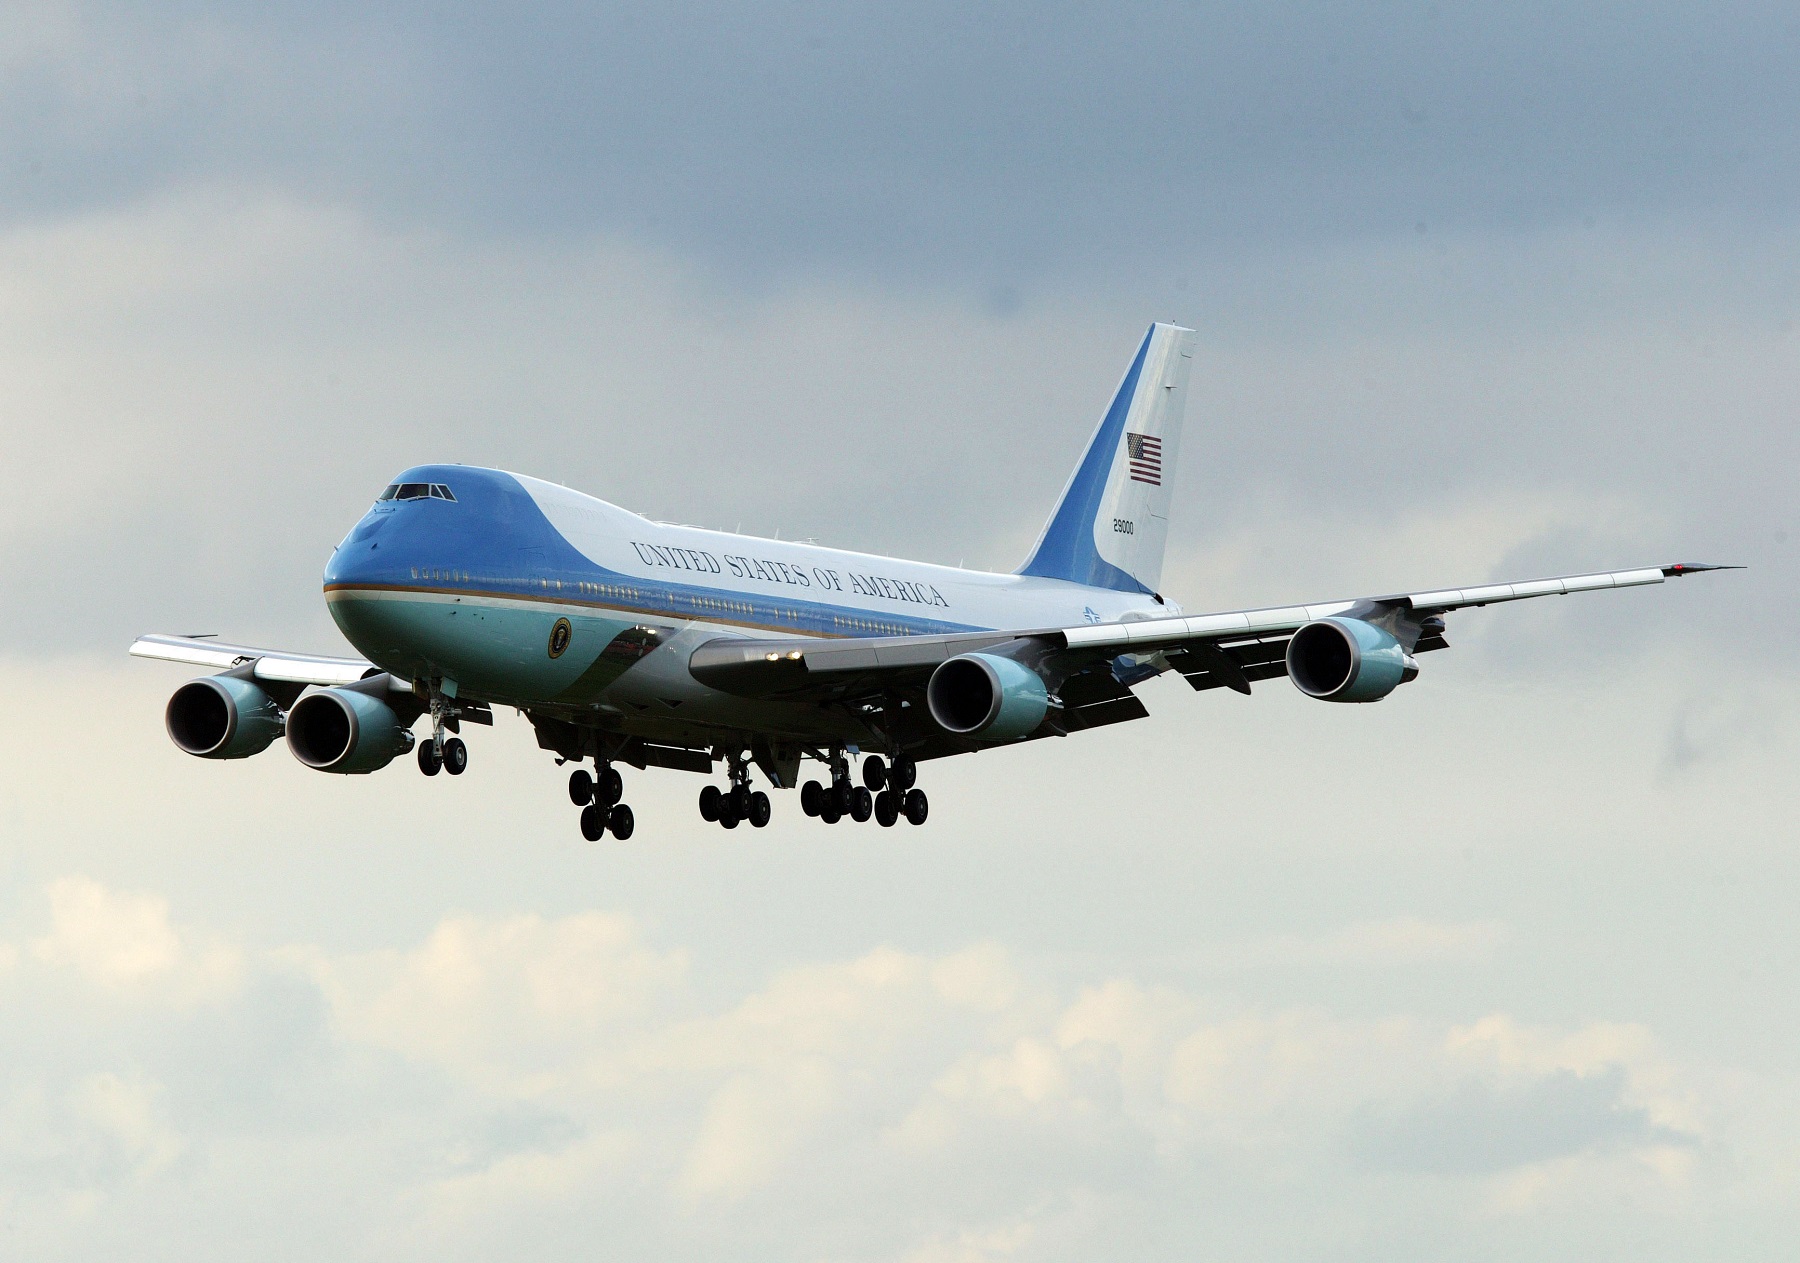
(559, 637)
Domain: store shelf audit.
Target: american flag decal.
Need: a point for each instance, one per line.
(1145, 453)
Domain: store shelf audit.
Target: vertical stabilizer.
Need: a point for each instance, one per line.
(1109, 527)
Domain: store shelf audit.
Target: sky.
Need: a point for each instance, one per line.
(1501, 968)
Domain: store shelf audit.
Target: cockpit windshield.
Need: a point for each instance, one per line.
(417, 491)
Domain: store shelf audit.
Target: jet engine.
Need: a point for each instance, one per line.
(222, 717)
(1347, 660)
(986, 697)
(345, 730)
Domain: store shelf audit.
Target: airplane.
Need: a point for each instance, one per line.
(648, 644)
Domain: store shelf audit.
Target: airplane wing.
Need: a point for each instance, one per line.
(1230, 649)
(274, 665)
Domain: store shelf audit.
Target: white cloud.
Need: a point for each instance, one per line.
(963, 1075)
(124, 940)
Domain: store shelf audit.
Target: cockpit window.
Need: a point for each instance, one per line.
(417, 491)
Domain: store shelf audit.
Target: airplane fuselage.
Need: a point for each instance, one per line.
(526, 593)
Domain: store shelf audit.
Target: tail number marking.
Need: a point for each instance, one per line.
(1123, 526)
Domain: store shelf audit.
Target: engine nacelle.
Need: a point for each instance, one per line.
(222, 717)
(1347, 660)
(986, 697)
(345, 730)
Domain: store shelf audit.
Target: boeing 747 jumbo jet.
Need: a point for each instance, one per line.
(627, 641)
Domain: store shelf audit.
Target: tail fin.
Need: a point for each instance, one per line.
(1109, 527)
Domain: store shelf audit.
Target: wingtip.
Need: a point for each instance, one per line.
(1695, 567)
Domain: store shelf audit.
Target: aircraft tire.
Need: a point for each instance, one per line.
(840, 797)
(812, 797)
(621, 822)
(593, 823)
(710, 802)
(581, 787)
(728, 817)
(430, 761)
(887, 809)
(862, 805)
(902, 773)
(609, 787)
(456, 756)
(760, 811)
(829, 812)
(917, 808)
(874, 773)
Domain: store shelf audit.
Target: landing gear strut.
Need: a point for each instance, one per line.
(598, 797)
(448, 753)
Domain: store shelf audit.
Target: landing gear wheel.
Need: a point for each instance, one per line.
(621, 822)
(609, 787)
(429, 758)
(759, 810)
(874, 772)
(456, 756)
(887, 808)
(862, 803)
(812, 798)
(709, 802)
(916, 806)
(581, 787)
(728, 815)
(829, 812)
(740, 802)
(902, 773)
(593, 823)
(840, 797)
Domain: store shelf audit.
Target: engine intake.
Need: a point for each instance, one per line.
(345, 730)
(988, 697)
(222, 717)
(1347, 660)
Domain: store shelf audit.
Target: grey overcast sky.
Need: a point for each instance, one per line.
(1500, 969)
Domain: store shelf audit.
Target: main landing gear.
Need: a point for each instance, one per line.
(886, 793)
(598, 797)
(730, 808)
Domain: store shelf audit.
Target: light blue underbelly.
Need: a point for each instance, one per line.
(498, 651)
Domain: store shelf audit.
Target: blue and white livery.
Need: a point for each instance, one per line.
(638, 643)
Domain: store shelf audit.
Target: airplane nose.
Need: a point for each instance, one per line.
(359, 558)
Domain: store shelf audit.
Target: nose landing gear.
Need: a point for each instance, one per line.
(441, 752)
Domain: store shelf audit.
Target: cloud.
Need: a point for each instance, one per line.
(560, 1065)
(1482, 1128)
(930, 138)
(124, 941)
